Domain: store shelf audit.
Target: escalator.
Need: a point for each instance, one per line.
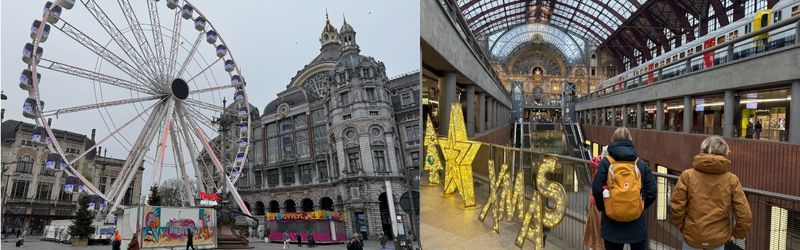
(575, 141)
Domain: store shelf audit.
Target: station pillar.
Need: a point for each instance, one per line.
(470, 111)
(729, 112)
(688, 111)
(639, 115)
(447, 88)
(659, 115)
(482, 112)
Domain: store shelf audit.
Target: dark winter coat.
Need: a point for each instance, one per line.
(615, 231)
(355, 244)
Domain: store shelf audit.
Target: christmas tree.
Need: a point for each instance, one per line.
(432, 163)
(82, 225)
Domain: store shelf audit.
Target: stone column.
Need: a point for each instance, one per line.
(447, 96)
(730, 111)
(366, 154)
(793, 121)
(590, 114)
(604, 117)
(470, 117)
(639, 115)
(659, 115)
(481, 112)
(624, 116)
(688, 111)
(393, 164)
(342, 158)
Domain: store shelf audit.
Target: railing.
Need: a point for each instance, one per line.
(775, 216)
(725, 53)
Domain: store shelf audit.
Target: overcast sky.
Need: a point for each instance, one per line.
(271, 41)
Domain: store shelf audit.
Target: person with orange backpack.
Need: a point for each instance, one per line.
(623, 188)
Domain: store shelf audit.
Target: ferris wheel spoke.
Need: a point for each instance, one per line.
(81, 38)
(117, 36)
(176, 35)
(138, 34)
(113, 133)
(190, 55)
(158, 38)
(216, 88)
(205, 69)
(62, 111)
(208, 106)
(94, 76)
(205, 183)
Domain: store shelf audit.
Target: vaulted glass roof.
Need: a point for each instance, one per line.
(502, 44)
(593, 20)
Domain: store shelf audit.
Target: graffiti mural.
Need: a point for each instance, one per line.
(169, 227)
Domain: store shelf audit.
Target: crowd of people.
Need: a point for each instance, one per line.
(623, 187)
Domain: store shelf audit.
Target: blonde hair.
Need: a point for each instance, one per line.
(715, 145)
(621, 134)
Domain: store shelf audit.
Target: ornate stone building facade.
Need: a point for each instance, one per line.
(331, 140)
(33, 195)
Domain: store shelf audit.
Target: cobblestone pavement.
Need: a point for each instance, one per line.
(34, 243)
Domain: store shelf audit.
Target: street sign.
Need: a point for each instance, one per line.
(405, 202)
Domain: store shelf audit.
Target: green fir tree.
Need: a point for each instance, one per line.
(155, 198)
(82, 227)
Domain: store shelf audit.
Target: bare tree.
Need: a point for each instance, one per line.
(172, 194)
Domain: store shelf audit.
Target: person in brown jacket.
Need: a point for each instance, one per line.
(703, 196)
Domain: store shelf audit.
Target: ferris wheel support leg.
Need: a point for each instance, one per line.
(221, 169)
(176, 147)
(201, 184)
(165, 129)
(136, 156)
(131, 159)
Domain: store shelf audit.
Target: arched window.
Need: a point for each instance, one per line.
(24, 164)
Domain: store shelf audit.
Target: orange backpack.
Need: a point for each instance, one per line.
(623, 201)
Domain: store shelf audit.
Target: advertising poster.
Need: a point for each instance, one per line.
(164, 227)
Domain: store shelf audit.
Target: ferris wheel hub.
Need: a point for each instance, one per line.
(180, 89)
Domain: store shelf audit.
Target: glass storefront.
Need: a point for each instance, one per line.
(673, 115)
(764, 115)
(708, 115)
(649, 121)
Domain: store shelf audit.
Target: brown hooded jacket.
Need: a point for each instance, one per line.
(701, 201)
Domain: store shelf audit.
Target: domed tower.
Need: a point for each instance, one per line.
(329, 34)
(360, 113)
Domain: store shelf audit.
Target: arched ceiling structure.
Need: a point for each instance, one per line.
(503, 44)
(632, 30)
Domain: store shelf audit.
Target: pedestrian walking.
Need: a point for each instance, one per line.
(117, 243)
(623, 189)
(190, 240)
(591, 230)
(311, 242)
(355, 243)
(285, 240)
(382, 238)
(703, 196)
(299, 239)
(758, 129)
(20, 239)
(134, 244)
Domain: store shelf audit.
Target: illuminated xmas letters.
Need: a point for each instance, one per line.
(507, 200)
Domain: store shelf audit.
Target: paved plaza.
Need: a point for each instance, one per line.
(38, 244)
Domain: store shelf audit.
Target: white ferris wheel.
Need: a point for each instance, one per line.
(157, 73)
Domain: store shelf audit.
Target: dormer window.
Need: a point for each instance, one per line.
(365, 72)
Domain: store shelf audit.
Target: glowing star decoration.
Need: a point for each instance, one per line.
(538, 215)
(432, 162)
(459, 153)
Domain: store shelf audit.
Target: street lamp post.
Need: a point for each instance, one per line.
(224, 121)
(6, 179)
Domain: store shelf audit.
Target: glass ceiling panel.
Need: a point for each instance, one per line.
(593, 20)
(503, 44)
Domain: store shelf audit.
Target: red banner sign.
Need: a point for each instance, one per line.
(209, 196)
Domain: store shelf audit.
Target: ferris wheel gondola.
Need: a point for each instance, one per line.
(154, 89)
